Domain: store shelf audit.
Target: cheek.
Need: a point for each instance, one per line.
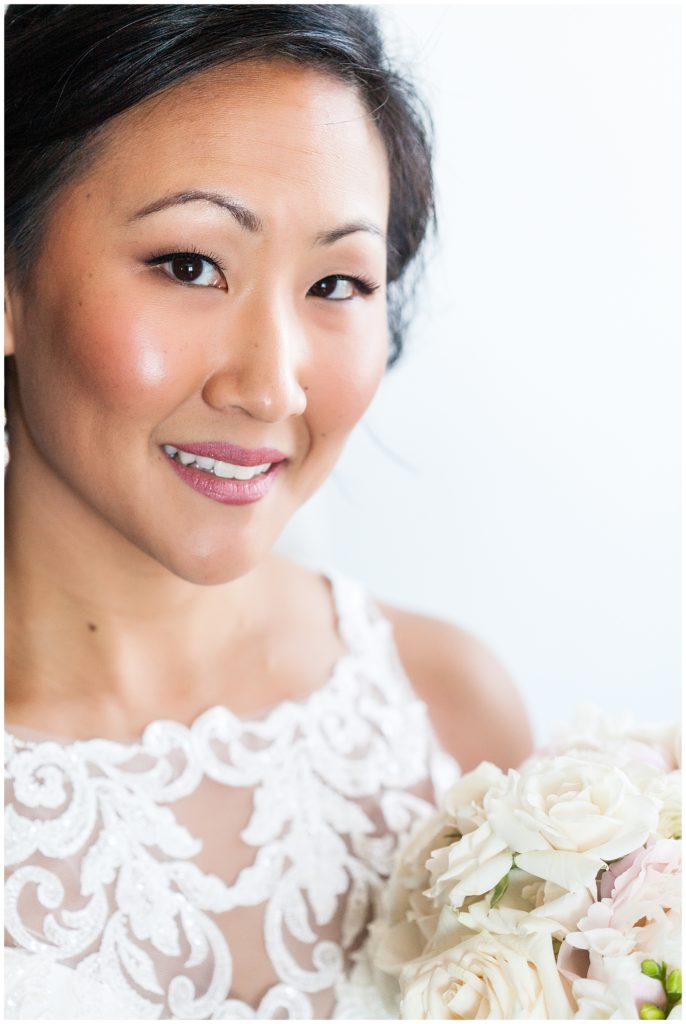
(111, 354)
(341, 391)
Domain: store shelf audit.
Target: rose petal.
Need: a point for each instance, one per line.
(571, 871)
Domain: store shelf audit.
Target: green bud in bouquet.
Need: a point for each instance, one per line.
(673, 986)
(651, 968)
(651, 1012)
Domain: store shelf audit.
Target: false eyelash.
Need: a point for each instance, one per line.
(365, 284)
(162, 257)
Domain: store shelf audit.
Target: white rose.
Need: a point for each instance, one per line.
(664, 737)
(487, 976)
(565, 816)
(469, 867)
(670, 796)
(554, 907)
(619, 739)
(528, 905)
(477, 860)
(603, 1000)
(408, 918)
(464, 801)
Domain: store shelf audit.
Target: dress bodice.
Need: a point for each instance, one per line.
(222, 870)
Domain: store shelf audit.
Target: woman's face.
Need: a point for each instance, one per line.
(267, 332)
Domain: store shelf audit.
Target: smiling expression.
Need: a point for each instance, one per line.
(216, 275)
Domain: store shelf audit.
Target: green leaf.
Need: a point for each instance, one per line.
(556, 947)
(500, 890)
(651, 1012)
(651, 968)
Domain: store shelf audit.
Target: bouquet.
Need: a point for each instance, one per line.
(549, 892)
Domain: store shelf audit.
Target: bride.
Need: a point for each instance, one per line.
(211, 751)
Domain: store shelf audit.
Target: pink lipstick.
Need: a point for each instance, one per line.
(204, 467)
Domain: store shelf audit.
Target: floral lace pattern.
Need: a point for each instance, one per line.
(122, 857)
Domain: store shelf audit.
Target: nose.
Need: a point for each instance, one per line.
(260, 364)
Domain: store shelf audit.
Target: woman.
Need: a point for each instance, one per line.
(213, 751)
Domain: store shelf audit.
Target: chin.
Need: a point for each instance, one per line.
(212, 564)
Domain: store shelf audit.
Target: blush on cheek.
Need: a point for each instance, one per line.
(128, 360)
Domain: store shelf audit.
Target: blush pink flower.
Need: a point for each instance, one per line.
(638, 917)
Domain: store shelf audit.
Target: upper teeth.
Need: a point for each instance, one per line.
(223, 469)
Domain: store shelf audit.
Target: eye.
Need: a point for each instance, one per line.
(191, 268)
(340, 287)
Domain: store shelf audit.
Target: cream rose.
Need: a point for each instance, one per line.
(670, 796)
(470, 867)
(464, 801)
(476, 860)
(410, 914)
(408, 918)
(565, 816)
(498, 977)
(603, 1000)
(619, 740)
(528, 905)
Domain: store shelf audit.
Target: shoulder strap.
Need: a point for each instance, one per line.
(367, 633)
(357, 615)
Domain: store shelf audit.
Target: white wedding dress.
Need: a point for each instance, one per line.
(225, 870)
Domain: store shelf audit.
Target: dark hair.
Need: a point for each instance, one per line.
(69, 68)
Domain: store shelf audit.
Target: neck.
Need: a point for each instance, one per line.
(92, 618)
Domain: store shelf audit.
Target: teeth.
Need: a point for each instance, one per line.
(231, 472)
(225, 470)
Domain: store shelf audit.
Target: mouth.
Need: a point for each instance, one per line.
(239, 477)
(216, 467)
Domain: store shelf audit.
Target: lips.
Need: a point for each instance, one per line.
(218, 482)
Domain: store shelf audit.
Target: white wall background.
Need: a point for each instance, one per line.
(524, 481)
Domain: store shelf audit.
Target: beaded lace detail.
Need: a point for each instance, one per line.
(225, 870)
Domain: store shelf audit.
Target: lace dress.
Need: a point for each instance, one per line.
(225, 870)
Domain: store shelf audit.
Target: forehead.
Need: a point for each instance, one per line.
(271, 126)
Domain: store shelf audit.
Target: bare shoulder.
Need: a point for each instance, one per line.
(473, 703)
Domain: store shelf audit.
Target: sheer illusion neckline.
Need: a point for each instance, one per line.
(225, 870)
(33, 736)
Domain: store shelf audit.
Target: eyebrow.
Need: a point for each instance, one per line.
(245, 217)
(329, 237)
(248, 220)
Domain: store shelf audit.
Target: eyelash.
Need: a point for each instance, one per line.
(165, 257)
(363, 284)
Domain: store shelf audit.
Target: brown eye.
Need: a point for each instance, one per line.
(187, 268)
(190, 268)
(334, 287)
(340, 287)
